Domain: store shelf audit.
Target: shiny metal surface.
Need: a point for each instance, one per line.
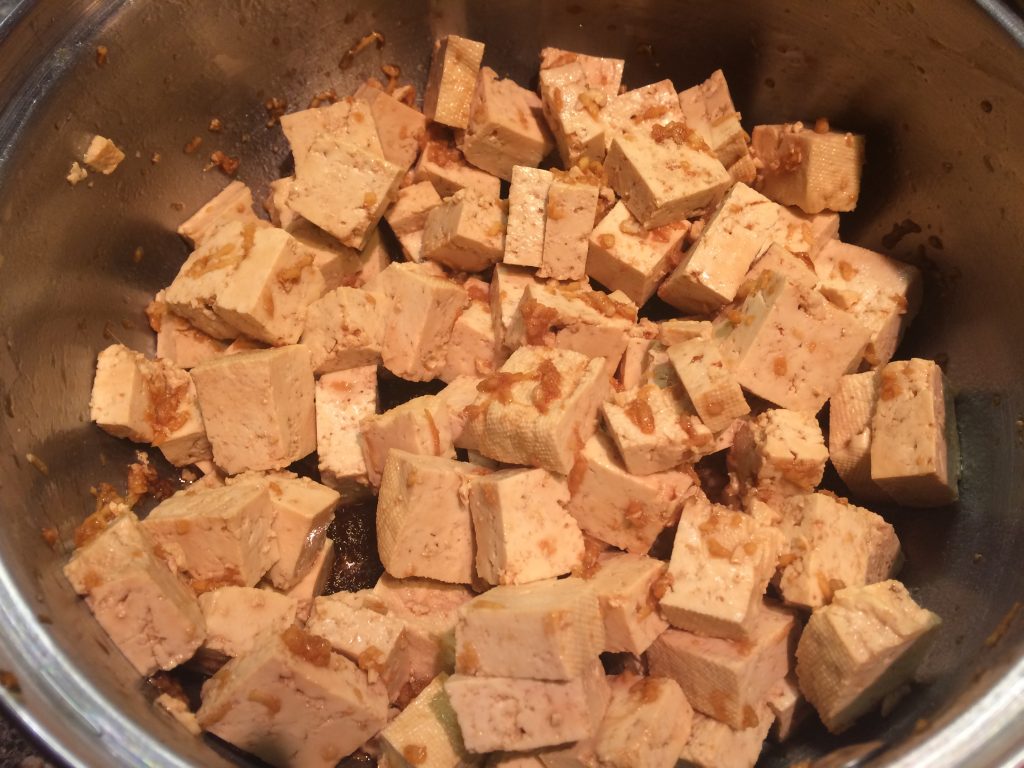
(938, 87)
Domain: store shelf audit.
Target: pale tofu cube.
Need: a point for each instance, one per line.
(233, 203)
(802, 167)
(523, 532)
(661, 176)
(473, 350)
(623, 256)
(833, 544)
(508, 285)
(708, 109)
(729, 680)
(302, 511)
(851, 413)
(506, 127)
(339, 264)
(276, 203)
(419, 426)
(102, 155)
(236, 617)
(450, 85)
(915, 449)
(313, 583)
(797, 269)
(789, 707)
(569, 219)
(625, 510)
(859, 649)
(292, 702)
(573, 111)
(805, 234)
(177, 340)
(436, 546)
(343, 400)
(501, 713)
(646, 725)
(653, 104)
(789, 345)
(540, 406)
(712, 271)
(149, 614)
(443, 165)
(709, 383)
(343, 189)
(628, 588)
(408, 216)
(721, 564)
(631, 368)
(347, 120)
(400, 128)
(460, 393)
(558, 620)
(882, 293)
(780, 451)
(465, 232)
(601, 73)
(258, 407)
(527, 205)
(426, 734)
(714, 744)
(345, 329)
(266, 296)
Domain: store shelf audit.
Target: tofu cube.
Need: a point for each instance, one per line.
(628, 588)
(465, 232)
(290, 701)
(573, 111)
(343, 400)
(443, 165)
(177, 340)
(600, 73)
(339, 264)
(473, 350)
(538, 408)
(508, 285)
(312, 585)
(915, 449)
(646, 725)
(789, 345)
(419, 426)
(833, 544)
(149, 614)
(663, 175)
(862, 647)
(851, 413)
(236, 617)
(347, 120)
(408, 216)
(102, 155)
(714, 744)
(623, 256)
(426, 733)
(798, 269)
(805, 234)
(401, 129)
(625, 510)
(721, 564)
(258, 407)
(789, 707)
(460, 393)
(523, 532)
(709, 383)
(811, 170)
(302, 511)
(527, 205)
(453, 75)
(708, 109)
(710, 274)
(233, 203)
(631, 368)
(649, 105)
(780, 451)
(729, 680)
(558, 620)
(345, 329)
(569, 219)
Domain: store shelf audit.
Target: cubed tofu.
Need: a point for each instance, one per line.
(646, 725)
(339, 264)
(149, 614)
(569, 219)
(798, 269)
(508, 285)
(663, 175)
(540, 406)
(527, 205)
(473, 350)
(708, 382)
(779, 451)
(436, 546)
(789, 345)
(625, 510)
(149, 401)
(426, 734)
(348, 120)
(453, 76)
(714, 744)
(601, 73)
(313, 583)
(501, 713)
(558, 620)
(258, 407)
(177, 340)
(420, 426)
(812, 170)
(343, 400)
(711, 272)
(861, 648)
(345, 329)
(343, 188)
(721, 564)
(915, 449)
(851, 411)
(805, 234)
(102, 155)
(653, 104)
(465, 232)
(833, 545)
(631, 368)
(408, 216)
(882, 293)
(236, 617)
(789, 707)
(460, 393)
(506, 127)
(628, 588)
(443, 165)
(708, 109)
(623, 256)
(233, 203)
(729, 680)
(523, 532)
(292, 702)
(400, 128)
(573, 111)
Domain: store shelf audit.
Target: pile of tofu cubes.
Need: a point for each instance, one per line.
(519, 506)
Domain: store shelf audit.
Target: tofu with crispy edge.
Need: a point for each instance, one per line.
(407, 217)
(714, 744)
(915, 449)
(347, 120)
(258, 407)
(600, 72)
(233, 203)
(466, 232)
(573, 111)
(708, 109)
(292, 702)
(628, 588)
(148, 613)
(236, 617)
(343, 400)
(443, 165)
(473, 350)
(345, 329)
(454, 67)
(426, 733)
(419, 426)
(859, 649)
(708, 382)
(400, 128)
(527, 204)
(780, 452)
(646, 725)
(569, 219)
